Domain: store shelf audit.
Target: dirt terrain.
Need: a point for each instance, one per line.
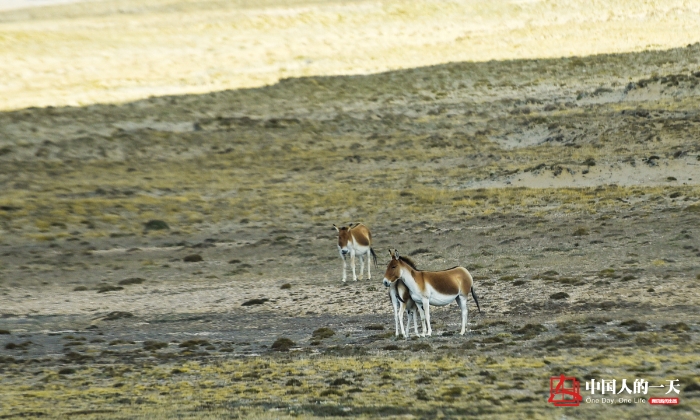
(175, 256)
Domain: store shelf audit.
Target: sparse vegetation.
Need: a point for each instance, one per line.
(322, 333)
(224, 202)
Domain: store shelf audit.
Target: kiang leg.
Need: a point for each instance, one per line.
(415, 314)
(352, 263)
(419, 308)
(462, 301)
(426, 309)
(362, 265)
(395, 305)
(369, 262)
(345, 267)
(402, 308)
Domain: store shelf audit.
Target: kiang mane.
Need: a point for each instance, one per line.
(409, 262)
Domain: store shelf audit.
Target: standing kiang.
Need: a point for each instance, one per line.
(355, 240)
(439, 288)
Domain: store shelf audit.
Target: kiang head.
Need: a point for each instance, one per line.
(393, 269)
(343, 239)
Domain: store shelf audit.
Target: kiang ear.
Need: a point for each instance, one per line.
(396, 254)
(336, 227)
(391, 253)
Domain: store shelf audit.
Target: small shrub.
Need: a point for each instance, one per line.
(374, 327)
(331, 392)
(105, 289)
(559, 295)
(634, 325)
(155, 225)
(422, 395)
(322, 333)
(531, 329)
(455, 391)
(117, 315)
(132, 280)
(340, 382)
(194, 343)
(282, 344)
(193, 258)
(154, 345)
(580, 232)
(421, 346)
(677, 327)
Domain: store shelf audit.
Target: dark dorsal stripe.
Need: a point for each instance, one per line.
(448, 269)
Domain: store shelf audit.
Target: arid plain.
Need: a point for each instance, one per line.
(174, 256)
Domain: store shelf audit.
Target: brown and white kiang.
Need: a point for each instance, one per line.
(439, 288)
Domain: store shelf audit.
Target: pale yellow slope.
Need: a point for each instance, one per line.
(113, 51)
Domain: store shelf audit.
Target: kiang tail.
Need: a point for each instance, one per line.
(475, 299)
(374, 257)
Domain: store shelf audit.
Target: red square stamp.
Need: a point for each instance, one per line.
(564, 391)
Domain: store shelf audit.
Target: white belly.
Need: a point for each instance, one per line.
(438, 299)
(359, 250)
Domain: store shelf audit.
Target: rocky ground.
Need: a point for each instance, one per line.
(175, 256)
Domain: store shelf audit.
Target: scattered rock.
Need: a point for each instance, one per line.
(374, 327)
(254, 302)
(286, 286)
(193, 258)
(80, 289)
(66, 371)
(104, 289)
(117, 315)
(651, 160)
(131, 280)
(559, 295)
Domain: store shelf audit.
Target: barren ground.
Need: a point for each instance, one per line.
(545, 176)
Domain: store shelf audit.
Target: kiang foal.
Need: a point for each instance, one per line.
(401, 301)
(439, 288)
